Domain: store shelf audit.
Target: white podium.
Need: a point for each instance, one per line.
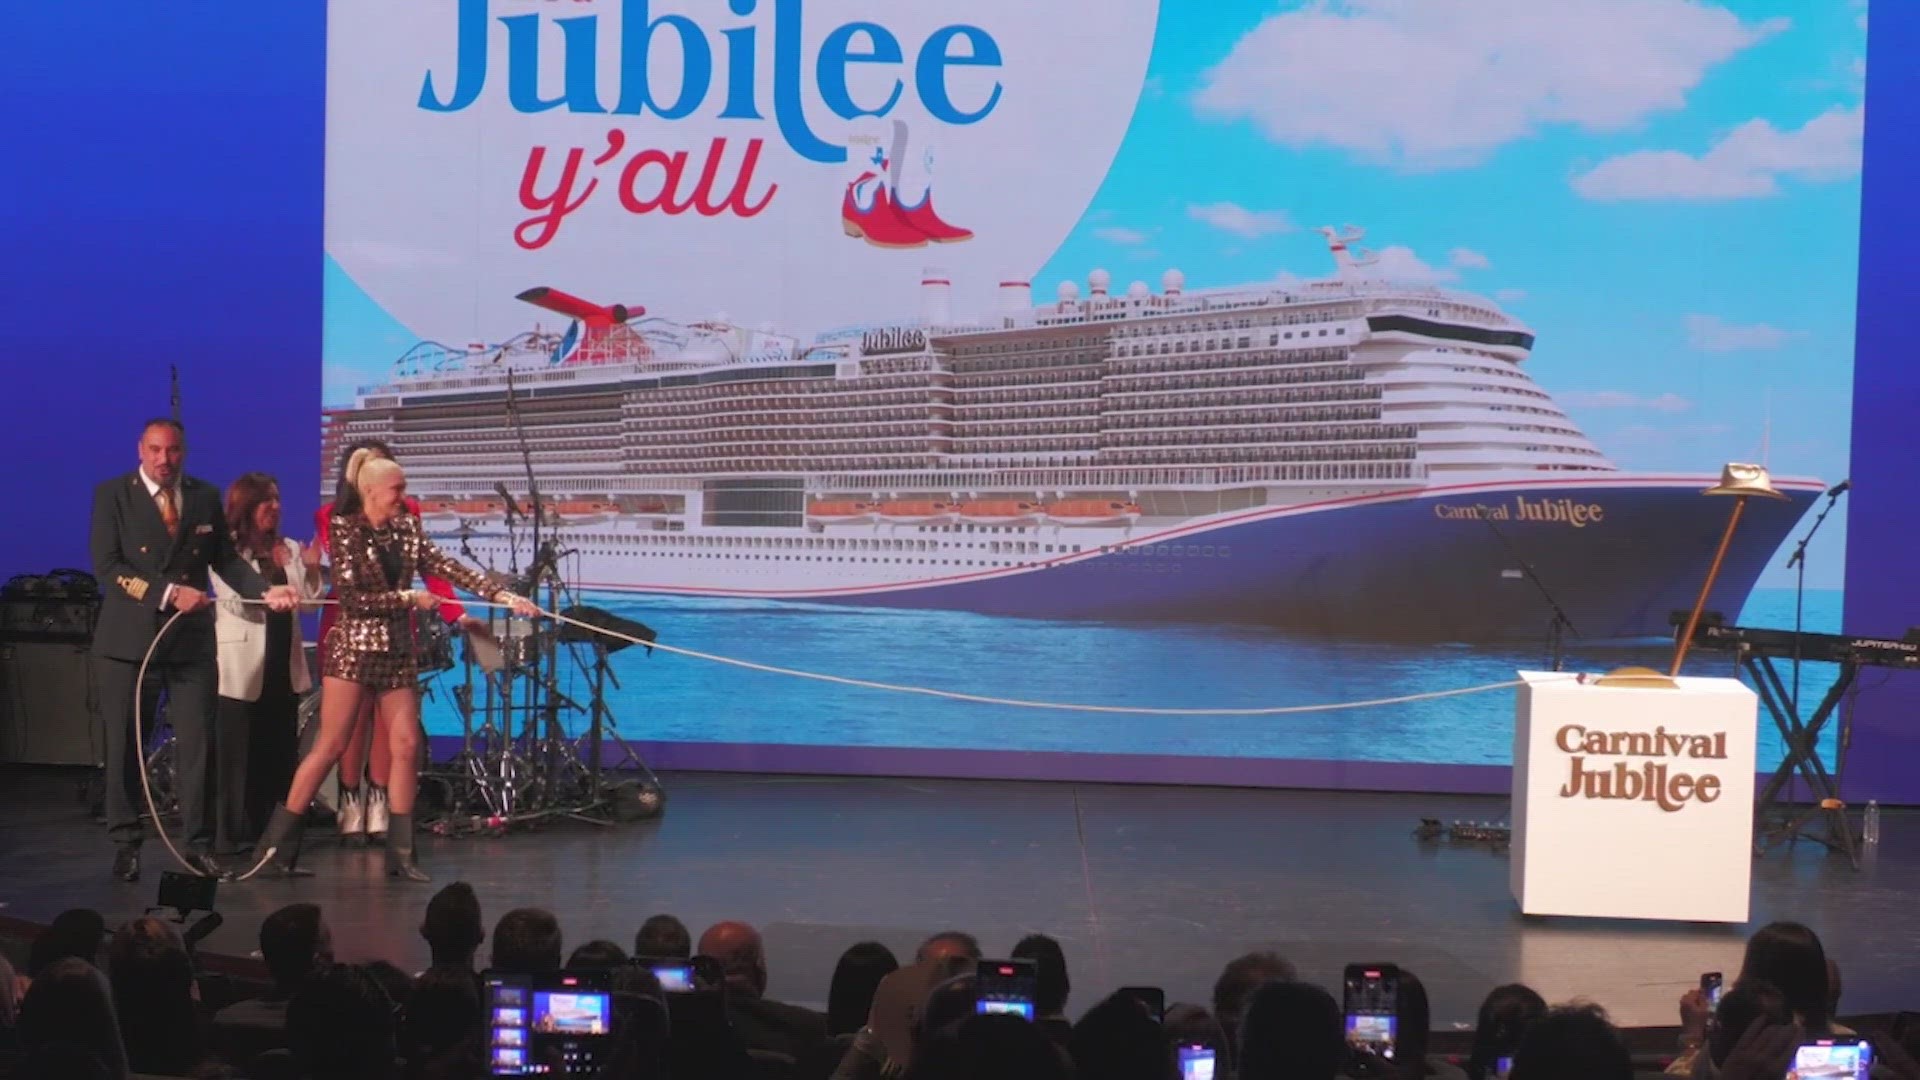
(1633, 802)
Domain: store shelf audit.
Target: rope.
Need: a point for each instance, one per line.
(838, 680)
(983, 699)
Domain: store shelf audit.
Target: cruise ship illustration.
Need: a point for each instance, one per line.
(1352, 456)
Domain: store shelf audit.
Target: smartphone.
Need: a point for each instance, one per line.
(552, 1024)
(1152, 997)
(1006, 986)
(1710, 988)
(1196, 1062)
(1502, 1065)
(674, 978)
(1848, 1058)
(1372, 993)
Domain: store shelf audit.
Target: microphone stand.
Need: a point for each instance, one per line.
(1560, 625)
(1798, 563)
(542, 569)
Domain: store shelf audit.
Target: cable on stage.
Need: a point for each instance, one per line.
(839, 680)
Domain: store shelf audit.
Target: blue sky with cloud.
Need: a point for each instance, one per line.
(1666, 190)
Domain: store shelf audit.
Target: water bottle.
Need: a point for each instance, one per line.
(1870, 824)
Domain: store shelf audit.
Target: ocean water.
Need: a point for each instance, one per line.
(673, 698)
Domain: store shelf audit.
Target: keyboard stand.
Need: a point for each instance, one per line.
(1803, 756)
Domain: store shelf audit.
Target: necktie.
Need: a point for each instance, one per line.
(168, 512)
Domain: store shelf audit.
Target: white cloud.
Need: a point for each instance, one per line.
(1120, 234)
(1444, 83)
(1399, 263)
(1709, 333)
(1510, 296)
(1748, 163)
(1622, 399)
(1468, 259)
(1240, 221)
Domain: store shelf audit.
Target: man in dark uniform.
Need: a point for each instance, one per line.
(155, 533)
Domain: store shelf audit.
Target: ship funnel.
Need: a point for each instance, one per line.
(936, 297)
(1016, 297)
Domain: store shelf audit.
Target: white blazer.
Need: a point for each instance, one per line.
(241, 630)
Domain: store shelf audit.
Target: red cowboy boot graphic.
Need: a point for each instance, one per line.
(868, 213)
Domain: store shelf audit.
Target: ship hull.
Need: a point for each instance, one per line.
(1448, 564)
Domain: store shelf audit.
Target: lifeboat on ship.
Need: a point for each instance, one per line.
(846, 511)
(1001, 511)
(439, 514)
(584, 511)
(1094, 512)
(916, 512)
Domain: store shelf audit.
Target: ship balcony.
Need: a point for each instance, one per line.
(1428, 394)
(826, 395)
(1514, 457)
(1270, 433)
(893, 408)
(1502, 435)
(781, 449)
(803, 432)
(824, 433)
(1171, 455)
(1137, 360)
(1180, 420)
(1478, 412)
(1337, 375)
(1316, 395)
(1421, 377)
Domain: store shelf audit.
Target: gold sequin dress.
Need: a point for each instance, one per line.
(373, 568)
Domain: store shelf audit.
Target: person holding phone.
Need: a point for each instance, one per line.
(376, 555)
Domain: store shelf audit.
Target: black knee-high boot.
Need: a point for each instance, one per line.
(400, 862)
(279, 847)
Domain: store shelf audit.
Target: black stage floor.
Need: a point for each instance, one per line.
(1143, 885)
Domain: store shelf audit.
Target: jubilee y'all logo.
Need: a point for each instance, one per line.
(656, 179)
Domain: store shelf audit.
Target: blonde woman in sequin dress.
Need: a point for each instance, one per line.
(376, 555)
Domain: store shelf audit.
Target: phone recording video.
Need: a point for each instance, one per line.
(674, 978)
(1006, 986)
(1832, 1059)
(1372, 993)
(1151, 998)
(1711, 987)
(554, 1024)
(1196, 1062)
(1502, 1065)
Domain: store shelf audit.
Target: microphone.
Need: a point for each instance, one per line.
(500, 489)
(1839, 489)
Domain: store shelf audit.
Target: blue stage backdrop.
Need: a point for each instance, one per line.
(1237, 356)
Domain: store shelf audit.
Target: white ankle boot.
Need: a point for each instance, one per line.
(352, 814)
(378, 817)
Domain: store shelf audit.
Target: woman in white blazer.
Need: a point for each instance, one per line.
(263, 669)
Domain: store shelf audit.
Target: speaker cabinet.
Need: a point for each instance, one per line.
(47, 712)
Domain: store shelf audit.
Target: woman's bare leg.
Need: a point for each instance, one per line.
(399, 712)
(353, 762)
(380, 749)
(340, 703)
